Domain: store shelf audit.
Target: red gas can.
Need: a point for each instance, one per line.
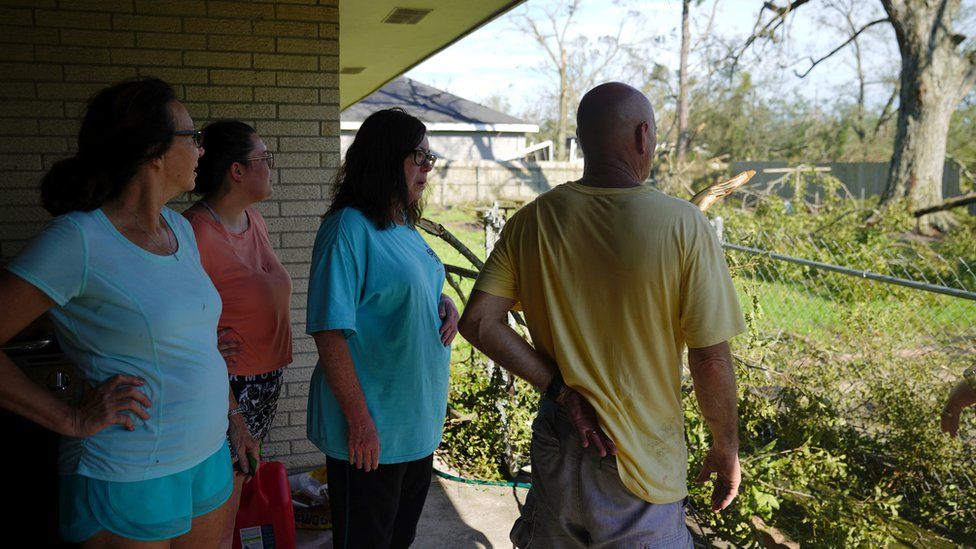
(265, 519)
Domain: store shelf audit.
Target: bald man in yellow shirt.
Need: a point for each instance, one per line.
(615, 279)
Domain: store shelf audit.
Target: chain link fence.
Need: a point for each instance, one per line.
(881, 337)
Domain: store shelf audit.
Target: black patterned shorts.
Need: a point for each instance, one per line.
(257, 398)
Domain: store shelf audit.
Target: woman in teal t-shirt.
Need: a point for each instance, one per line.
(143, 457)
(383, 330)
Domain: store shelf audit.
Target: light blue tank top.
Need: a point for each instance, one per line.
(123, 310)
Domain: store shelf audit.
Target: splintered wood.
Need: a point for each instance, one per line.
(713, 193)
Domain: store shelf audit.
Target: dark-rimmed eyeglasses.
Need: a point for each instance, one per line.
(268, 159)
(420, 156)
(195, 135)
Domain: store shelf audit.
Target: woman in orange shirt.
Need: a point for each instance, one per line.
(254, 332)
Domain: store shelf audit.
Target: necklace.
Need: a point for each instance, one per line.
(167, 248)
(213, 214)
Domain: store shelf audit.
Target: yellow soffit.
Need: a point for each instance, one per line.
(373, 52)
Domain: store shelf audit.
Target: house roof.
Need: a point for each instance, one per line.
(440, 110)
(382, 39)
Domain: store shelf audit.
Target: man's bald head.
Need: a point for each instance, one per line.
(609, 122)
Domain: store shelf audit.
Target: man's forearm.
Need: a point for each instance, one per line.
(711, 370)
(507, 348)
(485, 325)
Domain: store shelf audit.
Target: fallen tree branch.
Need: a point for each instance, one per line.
(457, 287)
(715, 192)
(947, 205)
(461, 271)
(438, 230)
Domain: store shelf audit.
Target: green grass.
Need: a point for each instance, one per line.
(909, 317)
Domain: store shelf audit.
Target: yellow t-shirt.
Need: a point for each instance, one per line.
(614, 283)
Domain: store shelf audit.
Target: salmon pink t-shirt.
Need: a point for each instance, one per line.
(254, 287)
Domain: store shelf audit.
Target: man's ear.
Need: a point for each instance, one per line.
(644, 138)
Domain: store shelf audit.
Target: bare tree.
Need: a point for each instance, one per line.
(938, 68)
(576, 61)
(683, 83)
(843, 15)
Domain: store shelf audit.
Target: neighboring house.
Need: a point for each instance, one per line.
(457, 129)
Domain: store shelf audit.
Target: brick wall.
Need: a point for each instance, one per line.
(271, 64)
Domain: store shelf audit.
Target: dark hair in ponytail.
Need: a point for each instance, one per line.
(227, 141)
(125, 126)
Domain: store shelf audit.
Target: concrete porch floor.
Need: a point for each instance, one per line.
(467, 516)
(456, 516)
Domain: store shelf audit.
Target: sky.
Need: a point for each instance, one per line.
(499, 60)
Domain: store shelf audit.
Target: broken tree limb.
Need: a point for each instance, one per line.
(713, 193)
(461, 271)
(438, 230)
(947, 205)
(457, 287)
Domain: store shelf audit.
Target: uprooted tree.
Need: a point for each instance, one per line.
(938, 68)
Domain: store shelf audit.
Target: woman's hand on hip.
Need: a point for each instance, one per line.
(364, 444)
(108, 404)
(229, 346)
(449, 319)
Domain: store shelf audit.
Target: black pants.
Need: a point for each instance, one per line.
(379, 509)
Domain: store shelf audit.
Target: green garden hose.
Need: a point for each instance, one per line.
(479, 482)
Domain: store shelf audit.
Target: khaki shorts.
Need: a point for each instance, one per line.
(577, 499)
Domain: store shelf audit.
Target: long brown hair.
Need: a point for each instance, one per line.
(371, 178)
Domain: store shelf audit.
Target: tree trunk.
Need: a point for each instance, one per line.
(561, 126)
(683, 136)
(934, 78)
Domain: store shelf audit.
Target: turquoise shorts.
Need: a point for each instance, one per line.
(149, 510)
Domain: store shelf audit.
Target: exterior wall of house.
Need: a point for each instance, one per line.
(465, 146)
(473, 146)
(273, 65)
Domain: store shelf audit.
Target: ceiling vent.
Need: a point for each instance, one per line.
(406, 16)
(351, 70)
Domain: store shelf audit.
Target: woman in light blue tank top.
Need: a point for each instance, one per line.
(142, 455)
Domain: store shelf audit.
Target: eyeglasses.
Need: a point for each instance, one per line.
(420, 156)
(268, 158)
(195, 135)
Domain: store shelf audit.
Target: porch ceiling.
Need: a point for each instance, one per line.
(385, 50)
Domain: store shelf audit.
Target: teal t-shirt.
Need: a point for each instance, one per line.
(123, 310)
(381, 288)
